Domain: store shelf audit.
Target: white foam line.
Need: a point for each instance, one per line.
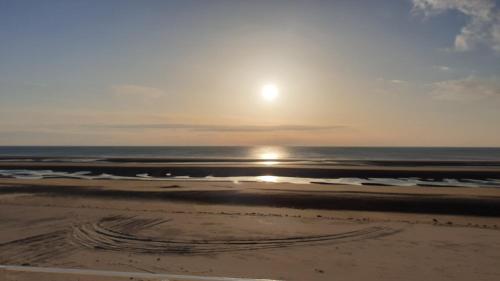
(162, 276)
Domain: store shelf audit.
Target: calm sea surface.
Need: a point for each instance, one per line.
(260, 152)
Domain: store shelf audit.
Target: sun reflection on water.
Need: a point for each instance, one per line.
(268, 178)
(269, 155)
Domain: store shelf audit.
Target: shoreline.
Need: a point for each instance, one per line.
(304, 171)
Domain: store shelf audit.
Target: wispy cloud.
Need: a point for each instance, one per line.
(223, 128)
(391, 86)
(443, 68)
(470, 88)
(483, 26)
(137, 90)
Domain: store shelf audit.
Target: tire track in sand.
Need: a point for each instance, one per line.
(118, 234)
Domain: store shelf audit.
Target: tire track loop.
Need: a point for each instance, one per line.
(117, 234)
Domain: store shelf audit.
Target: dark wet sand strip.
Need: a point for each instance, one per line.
(300, 199)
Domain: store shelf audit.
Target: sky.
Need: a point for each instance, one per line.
(349, 73)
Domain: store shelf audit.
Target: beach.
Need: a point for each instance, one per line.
(247, 140)
(260, 230)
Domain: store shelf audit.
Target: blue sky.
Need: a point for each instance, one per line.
(415, 72)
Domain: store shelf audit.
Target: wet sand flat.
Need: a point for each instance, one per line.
(387, 170)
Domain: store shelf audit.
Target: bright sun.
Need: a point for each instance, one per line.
(269, 92)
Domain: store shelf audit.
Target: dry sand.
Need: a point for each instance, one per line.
(251, 230)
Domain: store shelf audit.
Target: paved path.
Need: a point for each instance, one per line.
(159, 276)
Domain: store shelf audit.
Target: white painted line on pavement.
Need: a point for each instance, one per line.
(163, 276)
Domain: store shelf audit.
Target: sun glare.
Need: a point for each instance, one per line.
(270, 92)
(268, 178)
(269, 156)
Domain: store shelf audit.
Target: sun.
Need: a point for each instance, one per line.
(269, 92)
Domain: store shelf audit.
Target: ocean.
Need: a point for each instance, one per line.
(259, 152)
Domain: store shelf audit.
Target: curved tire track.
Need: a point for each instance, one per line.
(115, 234)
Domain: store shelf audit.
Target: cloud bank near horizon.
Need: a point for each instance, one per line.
(223, 128)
